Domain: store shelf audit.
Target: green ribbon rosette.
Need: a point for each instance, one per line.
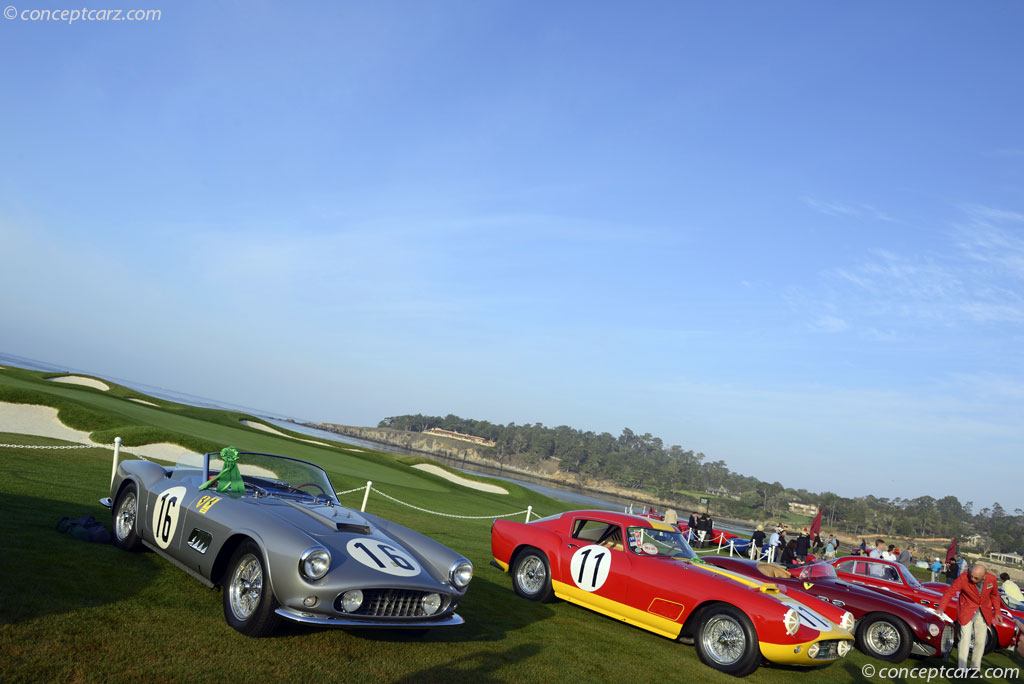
(229, 479)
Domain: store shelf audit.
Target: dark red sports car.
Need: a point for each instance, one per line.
(887, 628)
(894, 577)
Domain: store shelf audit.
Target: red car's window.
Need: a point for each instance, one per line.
(817, 571)
(598, 532)
(846, 566)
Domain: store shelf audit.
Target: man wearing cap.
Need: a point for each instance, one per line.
(803, 545)
(978, 607)
(936, 569)
(757, 542)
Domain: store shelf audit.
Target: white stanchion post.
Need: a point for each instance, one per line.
(731, 547)
(366, 495)
(721, 540)
(117, 458)
(529, 510)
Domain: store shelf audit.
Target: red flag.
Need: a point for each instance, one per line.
(951, 553)
(816, 525)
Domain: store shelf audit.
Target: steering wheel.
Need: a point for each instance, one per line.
(313, 484)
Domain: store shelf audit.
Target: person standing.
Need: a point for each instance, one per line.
(907, 556)
(977, 607)
(863, 547)
(789, 557)
(879, 549)
(831, 545)
(774, 542)
(757, 542)
(803, 546)
(936, 569)
(1011, 589)
(952, 570)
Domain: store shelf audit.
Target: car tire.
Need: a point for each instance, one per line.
(884, 637)
(249, 602)
(531, 575)
(125, 512)
(726, 640)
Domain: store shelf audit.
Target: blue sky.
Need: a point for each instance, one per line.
(788, 235)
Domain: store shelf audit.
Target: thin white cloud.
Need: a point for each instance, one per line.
(830, 324)
(854, 210)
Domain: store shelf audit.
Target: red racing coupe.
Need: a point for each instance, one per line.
(642, 572)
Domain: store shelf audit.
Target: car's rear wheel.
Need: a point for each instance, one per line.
(531, 575)
(726, 640)
(249, 602)
(884, 637)
(126, 511)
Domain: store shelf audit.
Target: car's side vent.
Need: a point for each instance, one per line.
(352, 527)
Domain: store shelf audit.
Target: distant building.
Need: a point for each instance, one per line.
(451, 434)
(1010, 558)
(972, 540)
(802, 509)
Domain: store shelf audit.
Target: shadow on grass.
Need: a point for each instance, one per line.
(491, 611)
(45, 572)
(477, 667)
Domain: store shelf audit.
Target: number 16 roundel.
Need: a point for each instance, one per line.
(590, 566)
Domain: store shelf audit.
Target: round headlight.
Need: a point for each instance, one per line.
(933, 630)
(792, 622)
(812, 652)
(431, 603)
(844, 647)
(848, 621)
(461, 573)
(351, 600)
(315, 563)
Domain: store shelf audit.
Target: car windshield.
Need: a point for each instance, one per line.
(908, 576)
(650, 542)
(265, 475)
(816, 571)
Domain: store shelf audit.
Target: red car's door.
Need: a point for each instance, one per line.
(594, 564)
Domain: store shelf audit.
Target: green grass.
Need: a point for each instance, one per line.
(77, 612)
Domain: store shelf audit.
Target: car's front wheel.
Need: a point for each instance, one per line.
(884, 637)
(249, 602)
(726, 640)
(126, 511)
(531, 575)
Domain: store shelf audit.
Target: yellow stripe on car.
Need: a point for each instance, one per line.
(619, 611)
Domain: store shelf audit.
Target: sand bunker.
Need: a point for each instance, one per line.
(42, 421)
(452, 477)
(143, 401)
(163, 451)
(81, 380)
(30, 419)
(267, 428)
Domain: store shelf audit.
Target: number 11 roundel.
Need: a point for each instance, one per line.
(590, 566)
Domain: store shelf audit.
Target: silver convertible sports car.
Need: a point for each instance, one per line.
(269, 531)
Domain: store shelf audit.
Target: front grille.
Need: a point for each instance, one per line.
(947, 638)
(396, 603)
(827, 650)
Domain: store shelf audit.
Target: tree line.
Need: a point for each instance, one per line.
(644, 463)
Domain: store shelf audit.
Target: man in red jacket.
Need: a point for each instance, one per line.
(978, 607)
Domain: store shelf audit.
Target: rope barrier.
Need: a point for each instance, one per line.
(63, 446)
(425, 510)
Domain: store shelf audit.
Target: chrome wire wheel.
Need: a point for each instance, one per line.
(883, 638)
(723, 640)
(124, 524)
(531, 575)
(246, 587)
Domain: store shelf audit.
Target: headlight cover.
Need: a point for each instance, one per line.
(792, 622)
(844, 647)
(461, 574)
(314, 563)
(934, 630)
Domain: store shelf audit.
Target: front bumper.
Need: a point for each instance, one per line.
(797, 654)
(450, 620)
